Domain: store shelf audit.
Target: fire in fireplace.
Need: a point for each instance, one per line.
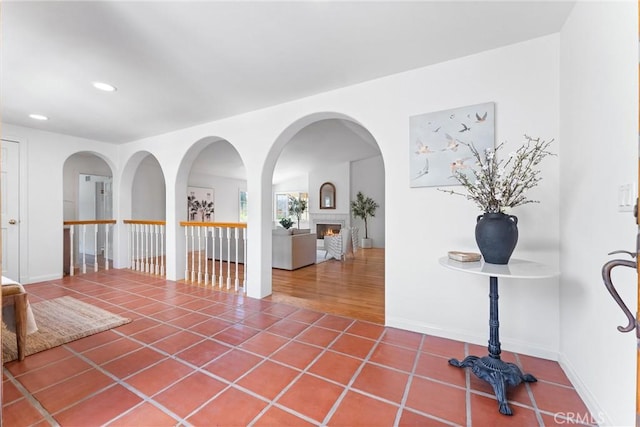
(327, 230)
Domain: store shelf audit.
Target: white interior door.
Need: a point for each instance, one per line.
(10, 208)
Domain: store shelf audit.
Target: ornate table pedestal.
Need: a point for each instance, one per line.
(491, 368)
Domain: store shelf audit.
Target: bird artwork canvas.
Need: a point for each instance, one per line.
(437, 142)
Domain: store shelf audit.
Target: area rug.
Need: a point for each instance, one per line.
(60, 320)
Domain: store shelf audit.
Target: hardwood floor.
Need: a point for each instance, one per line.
(353, 288)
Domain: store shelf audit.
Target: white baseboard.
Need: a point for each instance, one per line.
(461, 335)
(38, 279)
(599, 416)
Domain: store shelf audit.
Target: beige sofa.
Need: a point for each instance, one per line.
(293, 251)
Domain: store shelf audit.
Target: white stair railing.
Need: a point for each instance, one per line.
(84, 248)
(146, 246)
(211, 243)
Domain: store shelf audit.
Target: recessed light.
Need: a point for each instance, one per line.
(104, 86)
(38, 117)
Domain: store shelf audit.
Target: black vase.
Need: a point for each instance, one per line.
(496, 236)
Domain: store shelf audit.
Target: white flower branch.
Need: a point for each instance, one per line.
(499, 184)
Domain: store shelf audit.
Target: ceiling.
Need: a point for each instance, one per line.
(178, 64)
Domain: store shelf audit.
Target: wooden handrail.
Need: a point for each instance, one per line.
(213, 224)
(143, 222)
(90, 221)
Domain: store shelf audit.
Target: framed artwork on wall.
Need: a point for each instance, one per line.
(437, 142)
(200, 204)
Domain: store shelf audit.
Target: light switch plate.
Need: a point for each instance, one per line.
(626, 197)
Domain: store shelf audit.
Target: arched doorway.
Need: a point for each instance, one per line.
(87, 196)
(339, 151)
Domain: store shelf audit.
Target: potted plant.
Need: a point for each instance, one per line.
(497, 185)
(297, 207)
(364, 207)
(286, 223)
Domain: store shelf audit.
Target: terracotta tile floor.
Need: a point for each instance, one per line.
(195, 356)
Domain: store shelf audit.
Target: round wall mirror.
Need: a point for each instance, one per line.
(327, 196)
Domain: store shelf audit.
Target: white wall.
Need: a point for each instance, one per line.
(420, 295)
(523, 81)
(148, 191)
(368, 176)
(599, 136)
(337, 174)
(424, 223)
(226, 194)
(42, 159)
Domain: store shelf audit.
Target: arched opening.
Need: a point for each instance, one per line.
(142, 199)
(211, 196)
(218, 170)
(87, 196)
(339, 151)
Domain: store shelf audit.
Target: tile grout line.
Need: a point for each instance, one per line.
(530, 394)
(355, 375)
(407, 387)
(325, 349)
(467, 379)
(29, 397)
(270, 403)
(235, 303)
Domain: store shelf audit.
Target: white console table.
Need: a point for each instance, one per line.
(491, 368)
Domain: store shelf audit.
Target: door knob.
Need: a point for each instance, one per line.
(12, 221)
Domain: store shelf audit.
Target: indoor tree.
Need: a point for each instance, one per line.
(364, 207)
(297, 207)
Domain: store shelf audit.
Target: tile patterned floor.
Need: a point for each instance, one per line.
(199, 357)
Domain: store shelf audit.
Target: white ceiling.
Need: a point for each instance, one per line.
(178, 64)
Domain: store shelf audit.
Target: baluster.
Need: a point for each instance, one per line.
(131, 236)
(143, 248)
(220, 234)
(199, 254)
(244, 269)
(193, 261)
(235, 236)
(206, 256)
(228, 257)
(145, 229)
(162, 250)
(186, 256)
(95, 247)
(213, 257)
(84, 249)
(150, 251)
(136, 239)
(157, 263)
(138, 246)
(151, 247)
(106, 246)
(71, 255)
(135, 246)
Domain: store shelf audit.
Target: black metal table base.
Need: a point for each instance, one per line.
(491, 368)
(497, 373)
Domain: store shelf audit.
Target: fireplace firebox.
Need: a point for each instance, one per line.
(327, 230)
